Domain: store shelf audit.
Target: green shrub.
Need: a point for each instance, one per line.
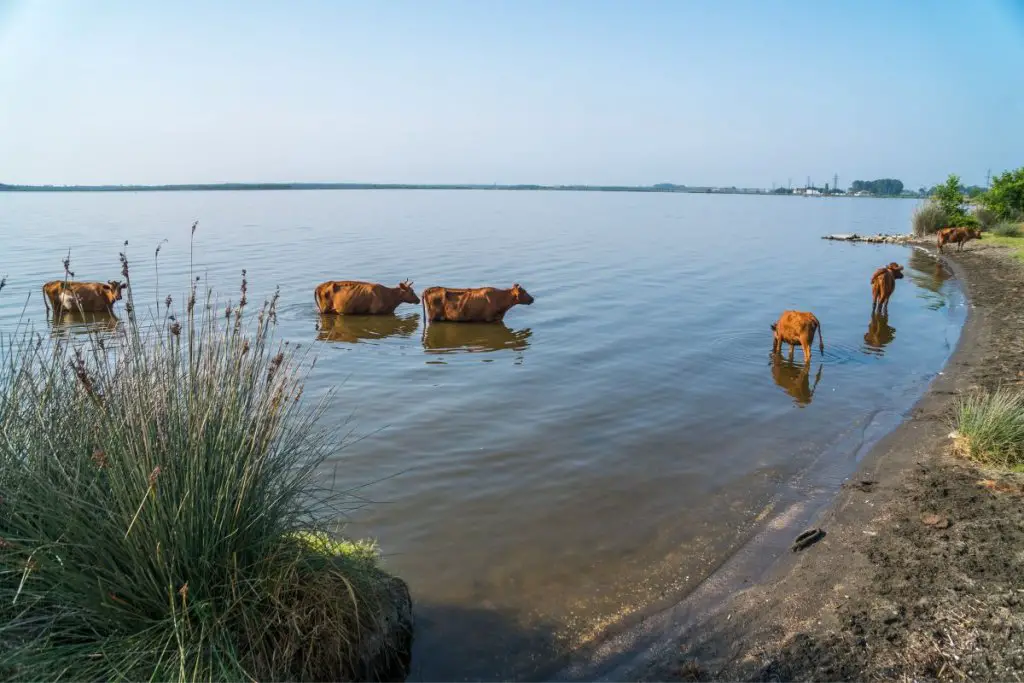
(990, 427)
(928, 219)
(986, 217)
(1006, 229)
(158, 517)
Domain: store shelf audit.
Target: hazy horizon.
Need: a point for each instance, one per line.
(453, 92)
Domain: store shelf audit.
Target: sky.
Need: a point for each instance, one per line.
(698, 92)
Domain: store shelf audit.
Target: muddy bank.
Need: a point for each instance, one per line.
(918, 573)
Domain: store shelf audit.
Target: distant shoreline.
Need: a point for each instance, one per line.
(234, 187)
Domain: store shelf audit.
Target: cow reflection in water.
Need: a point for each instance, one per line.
(446, 337)
(66, 323)
(364, 328)
(879, 334)
(795, 378)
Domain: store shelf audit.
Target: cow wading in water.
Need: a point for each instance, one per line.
(883, 283)
(957, 236)
(797, 327)
(351, 297)
(481, 305)
(81, 297)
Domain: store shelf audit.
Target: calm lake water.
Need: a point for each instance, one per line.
(603, 450)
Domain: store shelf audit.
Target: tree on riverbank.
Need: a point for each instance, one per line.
(1006, 196)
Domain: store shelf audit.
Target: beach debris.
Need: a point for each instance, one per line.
(935, 521)
(865, 485)
(807, 539)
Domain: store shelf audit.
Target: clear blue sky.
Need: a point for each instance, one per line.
(547, 91)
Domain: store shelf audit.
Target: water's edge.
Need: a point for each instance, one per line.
(629, 646)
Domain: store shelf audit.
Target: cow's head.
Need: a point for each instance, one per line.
(974, 232)
(113, 290)
(896, 270)
(520, 295)
(406, 292)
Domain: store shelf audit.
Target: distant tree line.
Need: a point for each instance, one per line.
(882, 187)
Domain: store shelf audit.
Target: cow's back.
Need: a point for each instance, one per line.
(347, 296)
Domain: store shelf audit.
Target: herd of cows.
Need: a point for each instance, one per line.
(800, 327)
(344, 297)
(484, 304)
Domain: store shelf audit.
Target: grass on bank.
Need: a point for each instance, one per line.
(989, 428)
(158, 517)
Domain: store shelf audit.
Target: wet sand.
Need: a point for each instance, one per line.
(917, 575)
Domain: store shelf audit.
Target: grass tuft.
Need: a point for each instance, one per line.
(1006, 229)
(989, 428)
(928, 219)
(159, 518)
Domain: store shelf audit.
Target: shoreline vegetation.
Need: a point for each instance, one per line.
(160, 518)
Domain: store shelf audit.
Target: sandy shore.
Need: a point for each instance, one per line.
(918, 575)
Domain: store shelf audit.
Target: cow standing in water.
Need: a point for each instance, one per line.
(797, 327)
(883, 283)
(958, 236)
(481, 305)
(85, 297)
(351, 297)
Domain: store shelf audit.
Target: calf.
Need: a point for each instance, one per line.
(883, 283)
(84, 297)
(797, 327)
(483, 305)
(958, 236)
(363, 298)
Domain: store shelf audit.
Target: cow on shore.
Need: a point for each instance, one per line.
(83, 297)
(351, 297)
(883, 284)
(957, 236)
(483, 305)
(797, 327)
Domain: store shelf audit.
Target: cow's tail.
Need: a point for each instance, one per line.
(821, 336)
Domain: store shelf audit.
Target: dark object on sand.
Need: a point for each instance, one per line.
(807, 539)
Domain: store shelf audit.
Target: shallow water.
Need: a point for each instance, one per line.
(605, 448)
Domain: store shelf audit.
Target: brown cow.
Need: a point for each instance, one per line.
(83, 297)
(883, 283)
(482, 305)
(958, 236)
(363, 298)
(797, 327)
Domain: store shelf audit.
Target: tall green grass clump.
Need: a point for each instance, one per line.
(990, 428)
(929, 218)
(158, 518)
(1006, 229)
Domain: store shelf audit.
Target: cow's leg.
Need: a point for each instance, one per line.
(792, 350)
(805, 343)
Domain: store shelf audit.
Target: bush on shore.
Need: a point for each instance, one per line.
(929, 218)
(158, 517)
(989, 427)
(1006, 229)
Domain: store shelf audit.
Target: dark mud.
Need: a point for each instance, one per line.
(921, 573)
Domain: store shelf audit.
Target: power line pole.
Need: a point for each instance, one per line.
(988, 178)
